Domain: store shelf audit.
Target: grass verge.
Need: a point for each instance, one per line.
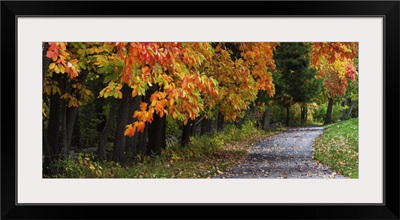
(204, 157)
(337, 147)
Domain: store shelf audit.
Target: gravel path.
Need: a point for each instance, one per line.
(285, 155)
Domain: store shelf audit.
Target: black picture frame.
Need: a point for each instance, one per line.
(11, 10)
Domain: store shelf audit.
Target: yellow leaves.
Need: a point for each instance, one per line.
(51, 66)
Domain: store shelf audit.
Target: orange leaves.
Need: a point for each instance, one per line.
(146, 70)
(143, 106)
(134, 92)
(137, 126)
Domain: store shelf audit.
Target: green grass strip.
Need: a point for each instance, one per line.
(337, 147)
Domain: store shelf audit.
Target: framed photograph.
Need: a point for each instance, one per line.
(33, 33)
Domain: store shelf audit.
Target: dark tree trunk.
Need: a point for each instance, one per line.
(205, 126)
(47, 151)
(187, 132)
(287, 115)
(132, 142)
(353, 103)
(328, 117)
(239, 122)
(306, 113)
(303, 113)
(142, 140)
(194, 126)
(344, 104)
(221, 122)
(101, 150)
(53, 130)
(64, 138)
(45, 61)
(266, 119)
(76, 133)
(71, 114)
(70, 120)
(156, 134)
(143, 137)
(46, 147)
(122, 121)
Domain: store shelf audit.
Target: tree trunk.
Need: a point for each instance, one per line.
(122, 121)
(45, 61)
(187, 132)
(306, 113)
(266, 119)
(142, 140)
(287, 115)
(344, 104)
(239, 122)
(132, 142)
(143, 137)
(156, 134)
(328, 117)
(46, 147)
(76, 133)
(47, 151)
(221, 122)
(64, 138)
(303, 114)
(70, 120)
(101, 150)
(71, 113)
(53, 130)
(205, 126)
(351, 108)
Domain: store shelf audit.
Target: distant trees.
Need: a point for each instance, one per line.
(297, 81)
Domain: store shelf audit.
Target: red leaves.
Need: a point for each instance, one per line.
(351, 72)
(52, 52)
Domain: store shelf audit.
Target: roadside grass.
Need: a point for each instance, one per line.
(205, 156)
(337, 147)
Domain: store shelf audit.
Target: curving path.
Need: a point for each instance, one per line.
(285, 155)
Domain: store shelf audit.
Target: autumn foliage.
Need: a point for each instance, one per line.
(183, 79)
